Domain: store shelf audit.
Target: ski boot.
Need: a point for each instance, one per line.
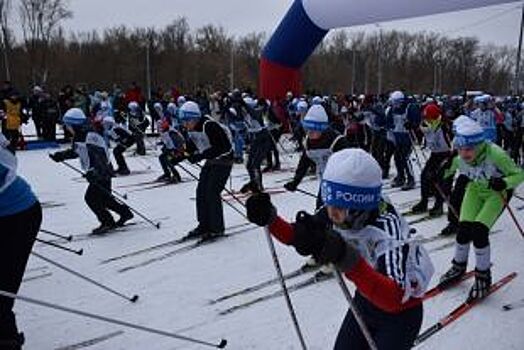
(195, 233)
(163, 178)
(210, 236)
(482, 285)
(437, 209)
(449, 230)
(409, 185)
(104, 228)
(176, 178)
(123, 171)
(325, 272)
(124, 217)
(454, 274)
(420, 207)
(397, 182)
(310, 265)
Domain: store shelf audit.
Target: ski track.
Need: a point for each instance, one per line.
(175, 292)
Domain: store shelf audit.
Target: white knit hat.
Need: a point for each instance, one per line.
(352, 180)
(190, 110)
(468, 133)
(74, 117)
(316, 119)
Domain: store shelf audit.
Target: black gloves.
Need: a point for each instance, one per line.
(497, 184)
(195, 158)
(315, 238)
(260, 210)
(57, 157)
(291, 186)
(91, 177)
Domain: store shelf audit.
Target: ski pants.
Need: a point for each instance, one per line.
(428, 180)
(260, 147)
(378, 147)
(168, 164)
(481, 204)
(140, 144)
(212, 180)
(275, 137)
(389, 331)
(118, 152)
(18, 236)
(99, 199)
(402, 162)
(389, 150)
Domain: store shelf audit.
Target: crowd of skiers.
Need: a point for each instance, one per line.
(349, 141)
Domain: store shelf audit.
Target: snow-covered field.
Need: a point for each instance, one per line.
(175, 292)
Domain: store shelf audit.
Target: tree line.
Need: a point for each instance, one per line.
(210, 58)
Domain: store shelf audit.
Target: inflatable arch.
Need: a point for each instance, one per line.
(308, 21)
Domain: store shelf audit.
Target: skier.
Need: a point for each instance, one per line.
(485, 115)
(209, 141)
(173, 147)
(400, 121)
(20, 218)
(492, 173)
(365, 238)
(436, 137)
(138, 124)
(320, 143)
(93, 154)
(123, 138)
(260, 145)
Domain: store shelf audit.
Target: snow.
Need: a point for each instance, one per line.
(175, 292)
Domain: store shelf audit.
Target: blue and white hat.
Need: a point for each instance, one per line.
(74, 117)
(468, 133)
(302, 106)
(352, 180)
(189, 111)
(316, 119)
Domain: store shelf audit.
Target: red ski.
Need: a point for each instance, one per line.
(438, 290)
(461, 310)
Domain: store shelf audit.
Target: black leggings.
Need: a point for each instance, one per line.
(18, 236)
(389, 331)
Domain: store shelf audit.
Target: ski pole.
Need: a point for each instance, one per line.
(446, 199)
(132, 299)
(155, 224)
(54, 234)
(58, 246)
(306, 193)
(518, 197)
(5, 294)
(282, 281)
(354, 310)
(413, 142)
(512, 214)
(124, 195)
(225, 189)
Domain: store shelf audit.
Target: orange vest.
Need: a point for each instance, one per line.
(13, 113)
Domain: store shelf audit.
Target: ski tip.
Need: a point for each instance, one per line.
(134, 298)
(80, 252)
(506, 307)
(223, 344)
(158, 225)
(69, 238)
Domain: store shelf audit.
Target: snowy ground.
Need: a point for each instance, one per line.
(175, 292)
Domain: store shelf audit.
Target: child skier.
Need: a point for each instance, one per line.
(492, 173)
(211, 142)
(366, 239)
(173, 147)
(436, 137)
(93, 154)
(20, 218)
(123, 138)
(320, 143)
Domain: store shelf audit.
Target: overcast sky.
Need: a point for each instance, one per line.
(496, 24)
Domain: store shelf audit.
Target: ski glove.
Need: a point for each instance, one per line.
(260, 210)
(195, 158)
(497, 184)
(325, 245)
(291, 186)
(57, 157)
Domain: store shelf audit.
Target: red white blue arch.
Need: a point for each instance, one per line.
(308, 21)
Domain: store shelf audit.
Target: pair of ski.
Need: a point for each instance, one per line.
(163, 245)
(185, 248)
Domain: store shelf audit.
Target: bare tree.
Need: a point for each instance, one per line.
(5, 34)
(40, 19)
